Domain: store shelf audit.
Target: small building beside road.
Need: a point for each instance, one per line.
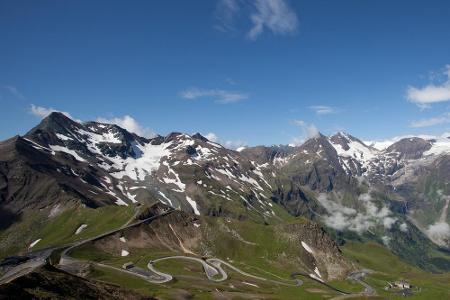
(402, 284)
(128, 265)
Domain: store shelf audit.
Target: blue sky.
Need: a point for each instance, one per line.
(250, 72)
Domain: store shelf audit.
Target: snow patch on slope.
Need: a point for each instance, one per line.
(307, 248)
(356, 150)
(81, 228)
(139, 168)
(193, 205)
(68, 151)
(439, 146)
(34, 243)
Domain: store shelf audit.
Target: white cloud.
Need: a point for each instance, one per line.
(383, 144)
(442, 119)
(273, 15)
(404, 227)
(42, 112)
(236, 144)
(388, 222)
(431, 93)
(308, 131)
(323, 109)
(218, 95)
(129, 123)
(341, 217)
(212, 137)
(439, 233)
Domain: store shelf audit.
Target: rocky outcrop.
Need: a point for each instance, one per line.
(323, 251)
(410, 148)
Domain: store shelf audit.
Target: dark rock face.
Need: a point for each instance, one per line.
(7, 218)
(57, 129)
(296, 201)
(263, 154)
(51, 283)
(316, 164)
(200, 137)
(30, 178)
(341, 140)
(410, 148)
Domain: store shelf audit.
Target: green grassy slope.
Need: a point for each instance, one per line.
(60, 229)
(389, 267)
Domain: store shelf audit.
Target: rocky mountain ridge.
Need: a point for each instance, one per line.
(338, 181)
(178, 169)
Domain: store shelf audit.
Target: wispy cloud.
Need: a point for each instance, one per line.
(230, 81)
(230, 144)
(234, 144)
(130, 124)
(42, 112)
(14, 92)
(431, 93)
(212, 137)
(218, 95)
(274, 15)
(441, 119)
(308, 131)
(323, 109)
(439, 232)
(226, 11)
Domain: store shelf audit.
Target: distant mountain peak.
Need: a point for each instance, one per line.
(200, 137)
(55, 121)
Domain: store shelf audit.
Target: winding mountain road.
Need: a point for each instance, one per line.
(358, 277)
(213, 267)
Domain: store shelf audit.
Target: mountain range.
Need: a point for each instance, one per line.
(343, 189)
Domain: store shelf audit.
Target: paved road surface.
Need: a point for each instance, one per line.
(358, 277)
(37, 259)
